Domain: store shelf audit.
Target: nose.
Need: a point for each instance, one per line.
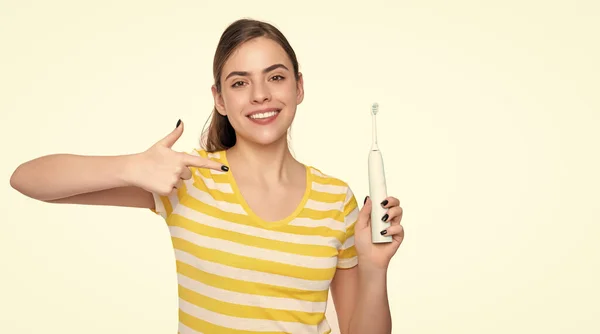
(260, 93)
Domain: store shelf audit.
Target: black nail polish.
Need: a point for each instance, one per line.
(178, 123)
(385, 217)
(365, 201)
(384, 203)
(224, 168)
(383, 232)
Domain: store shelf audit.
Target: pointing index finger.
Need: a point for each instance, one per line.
(200, 162)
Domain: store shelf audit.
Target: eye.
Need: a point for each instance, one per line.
(277, 77)
(237, 84)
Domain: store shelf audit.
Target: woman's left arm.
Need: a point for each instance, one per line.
(360, 293)
(361, 301)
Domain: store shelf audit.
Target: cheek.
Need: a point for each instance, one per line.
(286, 92)
(234, 102)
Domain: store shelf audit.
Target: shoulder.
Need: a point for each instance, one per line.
(331, 184)
(326, 179)
(332, 189)
(218, 155)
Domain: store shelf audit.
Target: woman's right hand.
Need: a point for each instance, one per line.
(162, 170)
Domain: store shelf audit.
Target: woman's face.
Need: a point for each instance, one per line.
(259, 92)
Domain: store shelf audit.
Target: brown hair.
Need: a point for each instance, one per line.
(220, 134)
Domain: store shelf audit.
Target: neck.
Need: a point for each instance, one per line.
(272, 163)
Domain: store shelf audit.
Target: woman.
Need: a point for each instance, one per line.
(259, 237)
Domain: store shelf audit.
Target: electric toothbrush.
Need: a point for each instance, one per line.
(377, 185)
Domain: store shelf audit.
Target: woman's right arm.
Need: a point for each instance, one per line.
(124, 180)
(77, 179)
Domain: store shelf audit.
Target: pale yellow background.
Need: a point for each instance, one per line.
(489, 126)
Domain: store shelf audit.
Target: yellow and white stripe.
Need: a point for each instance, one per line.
(239, 274)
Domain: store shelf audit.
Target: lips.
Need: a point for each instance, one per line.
(262, 113)
(264, 116)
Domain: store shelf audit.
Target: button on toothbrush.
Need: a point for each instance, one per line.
(377, 185)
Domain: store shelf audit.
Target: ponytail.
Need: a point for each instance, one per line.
(220, 135)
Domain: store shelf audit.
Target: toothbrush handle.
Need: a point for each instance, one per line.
(378, 192)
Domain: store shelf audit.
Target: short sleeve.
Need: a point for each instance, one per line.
(347, 257)
(164, 205)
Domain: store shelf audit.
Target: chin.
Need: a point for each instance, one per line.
(267, 138)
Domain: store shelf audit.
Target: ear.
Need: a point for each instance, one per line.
(218, 98)
(300, 89)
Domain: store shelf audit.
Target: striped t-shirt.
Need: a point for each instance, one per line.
(239, 274)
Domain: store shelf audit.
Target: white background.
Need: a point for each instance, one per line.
(489, 118)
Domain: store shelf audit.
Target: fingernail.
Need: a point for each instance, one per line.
(384, 203)
(366, 199)
(224, 168)
(383, 232)
(385, 217)
(178, 123)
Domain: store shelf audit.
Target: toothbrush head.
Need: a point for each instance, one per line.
(375, 108)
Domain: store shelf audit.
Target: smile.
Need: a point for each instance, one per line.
(264, 115)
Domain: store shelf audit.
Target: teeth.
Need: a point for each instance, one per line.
(264, 115)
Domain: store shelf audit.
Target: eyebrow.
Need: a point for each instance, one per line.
(266, 70)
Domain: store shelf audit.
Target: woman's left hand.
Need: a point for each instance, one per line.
(378, 255)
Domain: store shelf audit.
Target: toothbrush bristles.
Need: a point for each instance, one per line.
(375, 108)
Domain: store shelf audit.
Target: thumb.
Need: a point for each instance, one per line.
(172, 137)
(364, 215)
